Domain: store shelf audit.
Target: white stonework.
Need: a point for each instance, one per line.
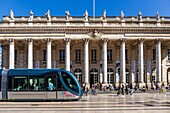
(131, 59)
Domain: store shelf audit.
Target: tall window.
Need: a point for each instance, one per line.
(154, 54)
(93, 55)
(45, 55)
(62, 55)
(126, 55)
(78, 55)
(168, 54)
(15, 55)
(109, 54)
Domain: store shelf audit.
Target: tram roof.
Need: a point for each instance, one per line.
(30, 72)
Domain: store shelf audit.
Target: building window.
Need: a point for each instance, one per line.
(62, 55)
(110, 76)
(45, 55)
(126, 54)
(154, 54)
(93, 55)
(78, 55)
(15, 58)
(169, 54)
(109, 55)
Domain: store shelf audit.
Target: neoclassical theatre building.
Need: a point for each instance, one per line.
(106, 49)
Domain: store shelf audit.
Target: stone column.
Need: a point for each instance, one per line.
(141, 63)
(148, 74)
(67, 54)
(86, 60)
(30, 53)
(48, 53)
(104, 60)
(122, 61)
(133, 66)
(158, 61)
(11, 53)
(164, 57)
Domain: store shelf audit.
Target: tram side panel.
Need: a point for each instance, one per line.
(37, 87)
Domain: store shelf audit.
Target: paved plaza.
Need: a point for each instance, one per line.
(102, 103)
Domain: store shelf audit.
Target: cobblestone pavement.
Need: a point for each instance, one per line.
(102, 103)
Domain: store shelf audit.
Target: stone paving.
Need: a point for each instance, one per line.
(102, 103)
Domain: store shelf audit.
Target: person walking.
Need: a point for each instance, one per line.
(123, 92)
(131, 89)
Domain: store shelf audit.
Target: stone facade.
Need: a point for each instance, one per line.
(112, 50)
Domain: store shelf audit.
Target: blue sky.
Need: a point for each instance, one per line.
(78, 7)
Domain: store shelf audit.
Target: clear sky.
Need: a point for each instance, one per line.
(78, 7)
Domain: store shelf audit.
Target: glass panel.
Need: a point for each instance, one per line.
(168, 54)
(0, 83)
(20, 83)
(51, 83)
(154, 54)
(36, 84)
(70, 83)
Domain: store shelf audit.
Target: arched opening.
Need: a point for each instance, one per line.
(110, 76)
(93, 76)
(168, 76)
(153, 76)
(78, 74)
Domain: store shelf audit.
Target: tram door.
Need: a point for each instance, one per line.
(51, 86)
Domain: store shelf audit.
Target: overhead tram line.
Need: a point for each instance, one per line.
(39, 85)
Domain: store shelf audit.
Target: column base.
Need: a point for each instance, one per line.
(158, 85)
(149, 85)
(133, 84)
(141, 85)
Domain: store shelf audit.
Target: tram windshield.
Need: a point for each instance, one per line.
(69, 82)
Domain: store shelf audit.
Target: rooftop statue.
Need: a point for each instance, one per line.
(139, 16)
(48, 15)
(31, 16)
(86, 15)
(12, 15)
(104, 15)
(157, 16)
(122, 15)
(67, 15)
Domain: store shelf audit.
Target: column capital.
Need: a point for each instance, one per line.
(104, 40)
(10, 40)
(67, 39)
(159, 40)
(29, 39)
(48, 39)
(123, 40)
(85, 40)
(141, 40)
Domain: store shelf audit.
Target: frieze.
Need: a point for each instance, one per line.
(105, 30)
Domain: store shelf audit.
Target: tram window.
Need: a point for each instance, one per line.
(60, 87)
(51, 83)
(0, 83)
(36, 84)
(69, 82)
(20, 83)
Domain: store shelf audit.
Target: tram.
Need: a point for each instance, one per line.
(39, 84)
(0, 83)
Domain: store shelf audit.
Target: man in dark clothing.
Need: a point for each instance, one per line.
(122, 90)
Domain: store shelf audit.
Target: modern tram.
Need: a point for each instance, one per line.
(39, 85)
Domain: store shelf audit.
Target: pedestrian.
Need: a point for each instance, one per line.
(127, 89)
(122, 88)
(131, 89)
